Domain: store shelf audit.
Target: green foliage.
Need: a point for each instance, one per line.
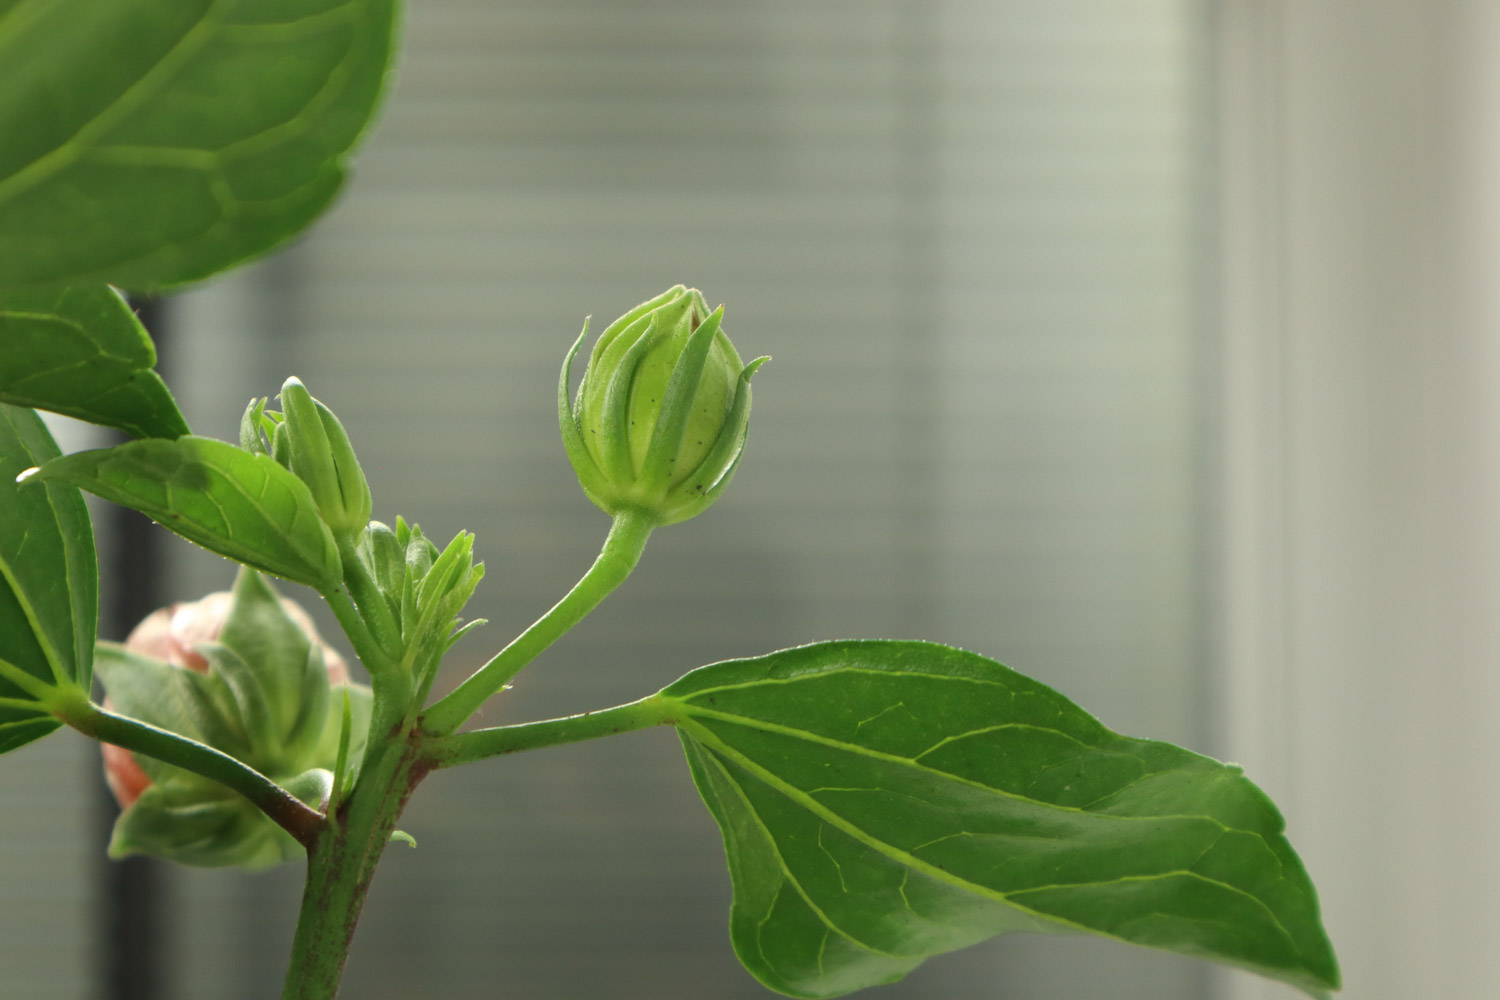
(882, 802)
(81, 351)
(49, 600)
(244, 507)
(149, 144)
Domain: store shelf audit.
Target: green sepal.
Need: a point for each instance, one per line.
(324, 459)
(677, 402)
(194, 821)
(252, 707)
(325, 754)
(281, 445)
(82, 352)
(49, 579)
(612, 424)
(242, 506)
(387, 558)
(714, 473)
(258, 427)
(619, 327)
(590, 476)
(884, 802)
(198, 706)
(323, 456)
(288, 666)
(354, 490)
(420, 553)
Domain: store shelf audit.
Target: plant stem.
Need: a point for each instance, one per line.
(465, 748)
(341, 864)
(621, 551)
(286, 810)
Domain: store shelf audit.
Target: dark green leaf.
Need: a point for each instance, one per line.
(150, 143)
(81, 351)
(883, 802)
(242, 506)
(49, 598)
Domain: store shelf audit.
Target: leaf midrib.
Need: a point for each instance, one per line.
(855, 748)
(940, 874)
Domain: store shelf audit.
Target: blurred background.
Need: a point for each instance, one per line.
(1152, 349)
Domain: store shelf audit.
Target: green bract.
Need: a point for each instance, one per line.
(660, 418)
(248, 676)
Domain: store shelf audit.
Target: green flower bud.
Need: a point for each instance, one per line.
(659, 421)
(423, 588)
(318, 451)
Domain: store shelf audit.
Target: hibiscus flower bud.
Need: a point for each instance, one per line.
(660, 418)
(176, 635)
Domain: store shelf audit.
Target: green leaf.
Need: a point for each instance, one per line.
(883, 802)
(149, 143)
(242, 506)
(81, 351)
(49, 585)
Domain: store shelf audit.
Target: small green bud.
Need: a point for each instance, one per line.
(319, 453)
(660, 418)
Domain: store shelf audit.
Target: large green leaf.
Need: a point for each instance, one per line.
(150, 143)
(242, 506)
(49, 584)
(81, 351)
(883, 802)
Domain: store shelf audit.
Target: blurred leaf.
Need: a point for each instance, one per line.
(193, 821)
(149, 143)
(49, 583)
(280, 655)
(361, 700)
(198, 706)
(242, 506)
(81, 351)
(883, 802)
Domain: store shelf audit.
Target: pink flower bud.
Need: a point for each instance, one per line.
(173, 634)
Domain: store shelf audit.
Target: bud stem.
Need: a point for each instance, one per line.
(621, 551)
